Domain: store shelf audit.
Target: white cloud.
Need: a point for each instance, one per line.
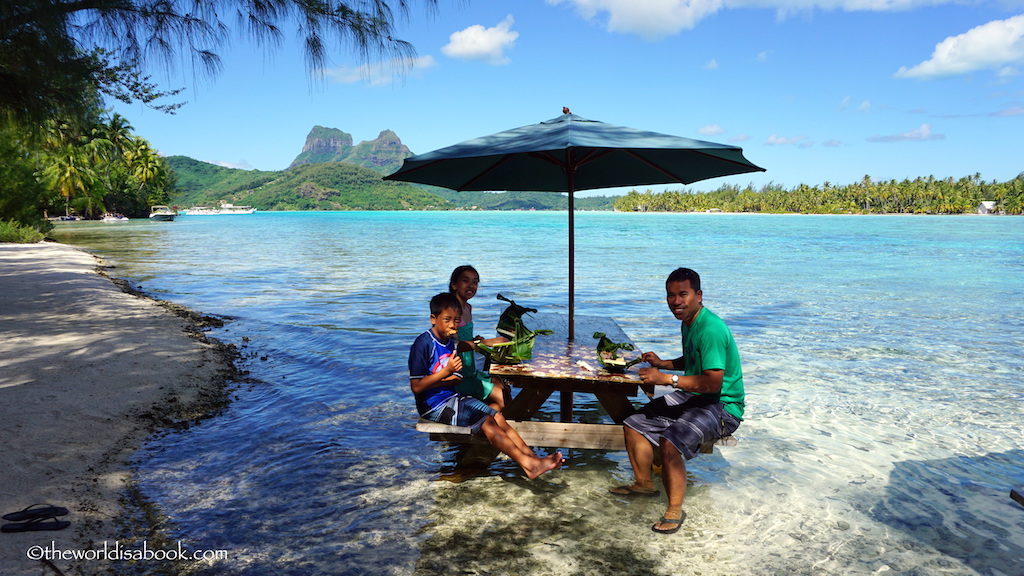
(712, 64)
(992, 46)
(1017, 111)
(650, 19)
(922, 134)
(864, 106)
(710, 130)
(380, 73)
(739, 138)
(762, 57)
(484, 44)
(242, 164)
(776, 140)
(833, 143)
(658, 19)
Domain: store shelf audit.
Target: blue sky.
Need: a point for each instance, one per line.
(812, 90)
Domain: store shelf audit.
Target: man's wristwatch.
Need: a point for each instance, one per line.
(675, 380)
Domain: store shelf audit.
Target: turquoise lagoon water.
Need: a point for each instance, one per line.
(881, 356)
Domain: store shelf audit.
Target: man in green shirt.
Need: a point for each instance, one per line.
(706, 405)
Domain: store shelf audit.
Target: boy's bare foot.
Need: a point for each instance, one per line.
(545, 464)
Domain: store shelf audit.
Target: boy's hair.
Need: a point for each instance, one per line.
(444, 300)
(458, 272)
(683, 274)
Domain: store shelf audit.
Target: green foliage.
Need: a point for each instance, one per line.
(918, 196)
(19, 233)
(343, 186)
(22, 195)
(323, 186)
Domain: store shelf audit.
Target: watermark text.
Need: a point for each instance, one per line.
(116, 552)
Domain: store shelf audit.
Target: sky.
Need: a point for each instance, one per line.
(814, 91)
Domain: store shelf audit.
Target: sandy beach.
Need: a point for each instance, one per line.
(87, 371)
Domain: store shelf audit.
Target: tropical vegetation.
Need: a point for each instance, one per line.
(918, 196)
(86, 165)
(321, 186)
(19, 233)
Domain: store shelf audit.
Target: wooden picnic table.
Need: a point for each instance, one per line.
(570, 367)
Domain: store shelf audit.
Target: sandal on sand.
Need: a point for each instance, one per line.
(677, 521)
(36, 525)
(633, 490)
(43, 511)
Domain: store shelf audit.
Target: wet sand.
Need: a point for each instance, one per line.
(87, 372)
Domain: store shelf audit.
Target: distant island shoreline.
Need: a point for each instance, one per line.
(332, 173)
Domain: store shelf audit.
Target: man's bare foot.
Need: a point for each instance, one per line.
(635, 490)
(545, 464)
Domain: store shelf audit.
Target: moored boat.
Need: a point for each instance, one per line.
(232, 209)
(162, 214)
(224, 209)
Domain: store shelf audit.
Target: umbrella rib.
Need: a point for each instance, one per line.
(672, 175)
(491, 168)
(594, 154)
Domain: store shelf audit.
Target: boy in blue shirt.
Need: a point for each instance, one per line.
(434, 372)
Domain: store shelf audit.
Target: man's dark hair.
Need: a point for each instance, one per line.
(444, 300)
(682, 274)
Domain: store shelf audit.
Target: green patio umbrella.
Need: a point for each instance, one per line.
(568, 154)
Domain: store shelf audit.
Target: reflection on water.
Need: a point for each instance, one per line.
(881, 358)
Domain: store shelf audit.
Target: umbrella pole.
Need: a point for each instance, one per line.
(571, 173)
(572, 270)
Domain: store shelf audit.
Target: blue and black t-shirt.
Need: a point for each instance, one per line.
(427, 356)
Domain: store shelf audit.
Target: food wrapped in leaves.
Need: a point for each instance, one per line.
(517, 350)
(607, 353)
(506, 322)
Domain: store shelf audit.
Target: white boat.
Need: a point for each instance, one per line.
(162, 214)
(232, 209)
(114, 218)
(224, 209)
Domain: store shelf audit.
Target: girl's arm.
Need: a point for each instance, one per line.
(465, 345)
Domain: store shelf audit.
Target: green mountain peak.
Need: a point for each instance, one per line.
(383, 154)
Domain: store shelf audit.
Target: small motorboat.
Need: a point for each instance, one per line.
(162, 214)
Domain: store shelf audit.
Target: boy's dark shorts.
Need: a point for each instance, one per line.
(461, 410)
(685, 419)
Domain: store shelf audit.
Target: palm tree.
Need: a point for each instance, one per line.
(69, 174)
(146, 166)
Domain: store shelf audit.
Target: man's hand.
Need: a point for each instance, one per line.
(654, 360)
(653, 375)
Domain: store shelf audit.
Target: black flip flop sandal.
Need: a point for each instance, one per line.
(677, 521)
(36, 525)
(36, 511)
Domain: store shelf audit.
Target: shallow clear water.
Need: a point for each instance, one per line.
(881, 357)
